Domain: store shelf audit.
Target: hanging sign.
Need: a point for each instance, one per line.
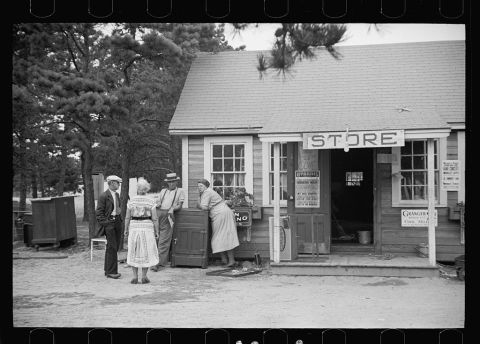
(307, 189)
(450, 175)
(416, 218)
(355, 139)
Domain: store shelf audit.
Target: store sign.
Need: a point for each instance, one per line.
(416, 218)
(354, 139)
(450, 175)
(307, 189)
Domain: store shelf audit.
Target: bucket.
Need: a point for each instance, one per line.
(364, 237)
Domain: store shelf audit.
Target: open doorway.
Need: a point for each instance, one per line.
(352, 197)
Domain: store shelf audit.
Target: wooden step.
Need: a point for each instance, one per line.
(351, 248)
(356, 265)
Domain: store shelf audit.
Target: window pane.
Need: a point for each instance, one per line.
(419, 162)
(283, 180)
(407, 149)
(217, 165)
(228, 179)
(283, 150)
(240, 179)
(435, 165)
(217, 151)
(419, 192)
(217, 179)
(228, 164)
(419, 147)
(240, 165)
(406, 192)
(239, 151)
(435, 147)
(407, 177)
(271, 164)
(420, 178)
(283, 164)
(406, 163)
(228, 151)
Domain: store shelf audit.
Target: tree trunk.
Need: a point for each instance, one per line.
(126, 159)
(63, 169)
(42, 185)
(85, 206)
(34, 185)
(90, 200)
(23, 177)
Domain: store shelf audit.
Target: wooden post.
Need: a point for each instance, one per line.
(276, 202)
(431, 203)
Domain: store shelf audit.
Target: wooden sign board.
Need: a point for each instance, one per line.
(416, 218)
(354, 139)
(307, 189)
(243, 217)
(450, 175)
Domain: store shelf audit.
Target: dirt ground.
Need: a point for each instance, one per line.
(63, 287)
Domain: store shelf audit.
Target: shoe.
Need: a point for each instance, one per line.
(134, 281)
(145, 280)
(154, 268)
(114, 276)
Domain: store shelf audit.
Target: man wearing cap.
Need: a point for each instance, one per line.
(108, 216)
(169, 200)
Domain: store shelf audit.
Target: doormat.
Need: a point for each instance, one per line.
(234, 272)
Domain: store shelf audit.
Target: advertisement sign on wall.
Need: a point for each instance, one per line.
(450, 175)
(416, 218)
(307, 189)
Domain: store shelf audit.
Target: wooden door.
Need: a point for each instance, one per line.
(190, 238)
(310, 225)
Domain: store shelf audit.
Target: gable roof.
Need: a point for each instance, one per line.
(363, 90)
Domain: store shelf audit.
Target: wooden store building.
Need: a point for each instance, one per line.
(338, 154)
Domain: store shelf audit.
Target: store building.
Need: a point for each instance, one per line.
(348, 139)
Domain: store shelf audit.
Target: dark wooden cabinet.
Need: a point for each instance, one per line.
(54, 220)
(190, 238)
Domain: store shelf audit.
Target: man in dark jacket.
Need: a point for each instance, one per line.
(108, 216)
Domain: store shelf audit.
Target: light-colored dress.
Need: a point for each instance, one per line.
(224, 228)
(142, 247)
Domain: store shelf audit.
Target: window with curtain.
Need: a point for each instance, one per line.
(228, 168)
(414, 170)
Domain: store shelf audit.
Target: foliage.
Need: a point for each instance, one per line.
(240, 198)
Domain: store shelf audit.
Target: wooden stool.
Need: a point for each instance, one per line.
(97, 240)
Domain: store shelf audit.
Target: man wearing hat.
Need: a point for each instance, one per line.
(108, 216)
(169, 200)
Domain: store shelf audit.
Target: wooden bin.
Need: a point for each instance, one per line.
(190, 238)
(54, 220)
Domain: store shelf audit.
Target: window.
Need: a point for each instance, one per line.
(410, 172)
(283, 173)
(413, 169)
(353, 178)
(228, 163)
(228, 168)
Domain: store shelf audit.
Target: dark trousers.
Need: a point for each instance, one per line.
(113, 233)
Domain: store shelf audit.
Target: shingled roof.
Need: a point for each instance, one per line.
(366, 89)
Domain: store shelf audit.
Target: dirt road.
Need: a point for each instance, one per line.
(74, 292)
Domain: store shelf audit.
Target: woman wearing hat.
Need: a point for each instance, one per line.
(141, 227)
(169, 200)
(224, 227)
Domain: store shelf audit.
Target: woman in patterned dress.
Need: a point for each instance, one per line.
(141, 227)
(224, 227)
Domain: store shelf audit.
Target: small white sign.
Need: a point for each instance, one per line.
(450, 175)
(354, 139)
(417, 218)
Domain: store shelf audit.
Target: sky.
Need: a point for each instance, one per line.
(262, 38)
